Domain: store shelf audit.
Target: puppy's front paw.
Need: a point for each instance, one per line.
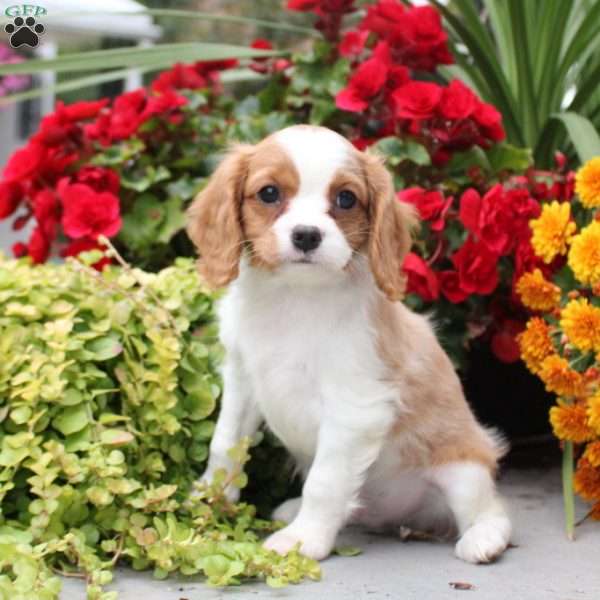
(288, 510)
(311, 544)
(485, 541)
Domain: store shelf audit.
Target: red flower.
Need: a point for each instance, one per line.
(490, 121)
(100, 179)
(302, 5)
(46, 212)
(421, 279)
(477, 268)
(11, 194)
(81, 111)
(450, 287)
(500, 218)
(415, 34)
(58, 126)
(160, 104)
(39, 246)
(367, 81)
(417, 99)
(353, 43)
(458, 101)
(432, 205)
(24, 162)
(19, 249)
(87, 213)
(504, 342)
(261, 44)
(179, 77)
(76, 247)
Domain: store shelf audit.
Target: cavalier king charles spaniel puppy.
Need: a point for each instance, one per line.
(309, 236)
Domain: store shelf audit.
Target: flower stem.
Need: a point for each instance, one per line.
(568, 497)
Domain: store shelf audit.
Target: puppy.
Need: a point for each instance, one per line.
(309, 235)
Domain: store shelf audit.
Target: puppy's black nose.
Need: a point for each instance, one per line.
(306, 238)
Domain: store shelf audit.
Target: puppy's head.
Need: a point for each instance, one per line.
(303, 202)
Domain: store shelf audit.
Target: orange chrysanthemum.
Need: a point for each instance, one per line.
(552, 230)
(535, 343)
(559, 378)
(593, 412)
(569, 422)
(536, 292)
(595, 512)
(584, 255)
(581, 323)
(587, 480)
(587, 183)
(592, 453)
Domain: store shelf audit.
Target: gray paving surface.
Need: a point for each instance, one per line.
(543, 565)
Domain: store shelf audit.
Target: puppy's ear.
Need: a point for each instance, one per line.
(214, 219)
(391, 227)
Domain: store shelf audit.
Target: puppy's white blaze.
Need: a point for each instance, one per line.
(317, 155)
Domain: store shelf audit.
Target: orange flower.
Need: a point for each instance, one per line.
(584, 255)
(587, 480)
(587, 183)
(535, 343)
(593, 412)
(552, 230)
(595, 512)
(536, 292)
(581, 323)
(592, 453)
(559, 378)
(569, 422)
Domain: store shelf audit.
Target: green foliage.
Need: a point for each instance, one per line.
(108, 388)
(533, 60)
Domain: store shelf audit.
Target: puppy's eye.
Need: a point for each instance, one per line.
(346, 199)
(269, 194)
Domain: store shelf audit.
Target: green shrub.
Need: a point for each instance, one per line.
(108, 388)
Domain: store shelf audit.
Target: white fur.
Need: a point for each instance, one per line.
(303, 358)
(317, 154)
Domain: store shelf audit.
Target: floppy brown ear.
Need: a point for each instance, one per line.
(214, 223)
(391, 227)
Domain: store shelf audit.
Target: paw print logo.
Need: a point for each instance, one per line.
(24, 32)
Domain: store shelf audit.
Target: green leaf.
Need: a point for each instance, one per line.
(397, 150)
(151, 56)
(505, 157)
(71, 419)
(105, 348)
(582, 133)
(116, 437)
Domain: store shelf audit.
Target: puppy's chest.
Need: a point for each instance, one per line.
(301, 355)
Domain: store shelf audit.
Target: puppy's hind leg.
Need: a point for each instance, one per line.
(483, 524)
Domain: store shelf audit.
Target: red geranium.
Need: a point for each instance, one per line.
(477, 268)
(422, 280)
(432, 205)
(417, 99)
(353, 43)
(39, 246)
(11, 194)
(458, 101)
(23, 163)
(450, 287)
(100, 179)
(87, 213)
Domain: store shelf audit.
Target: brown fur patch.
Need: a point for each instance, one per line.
(437, 425)
(269, 165)
(353, 222)
(392, 223)
(214, 219)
